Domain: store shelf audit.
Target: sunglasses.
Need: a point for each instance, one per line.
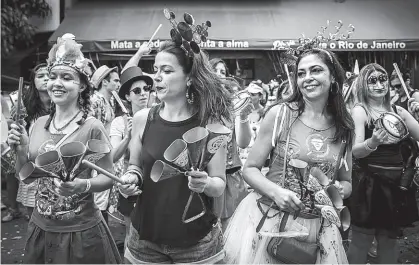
(137, 90)
(373, 80)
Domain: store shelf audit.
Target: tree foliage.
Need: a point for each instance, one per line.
(15, 25)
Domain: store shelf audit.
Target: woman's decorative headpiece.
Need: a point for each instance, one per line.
(68, 52)
(186, 34)
(322, 37)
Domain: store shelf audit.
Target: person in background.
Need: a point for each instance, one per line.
(236, 190)
(135, 89)
(379, 208)
(36, 103)
(402, 99)
(104, 80)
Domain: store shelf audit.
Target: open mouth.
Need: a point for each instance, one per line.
(310, 87)
(58, 92)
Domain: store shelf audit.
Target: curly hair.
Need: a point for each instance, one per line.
(212, 99)
(83, 102)
(335, 103)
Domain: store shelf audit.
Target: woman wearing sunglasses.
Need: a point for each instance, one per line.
(378, 204)
(402, 99)
(135, 89)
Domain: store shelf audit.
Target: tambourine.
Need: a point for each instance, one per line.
(394, 125)
(240, 101)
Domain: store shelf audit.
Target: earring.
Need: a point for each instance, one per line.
(190, 96)
(80, 101)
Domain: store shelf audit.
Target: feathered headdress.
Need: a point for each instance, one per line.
(68, 52)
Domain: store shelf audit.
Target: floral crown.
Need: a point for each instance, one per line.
(186, 34)
(322, 37)
(68, 52)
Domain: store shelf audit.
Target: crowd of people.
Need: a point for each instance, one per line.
(290, 143)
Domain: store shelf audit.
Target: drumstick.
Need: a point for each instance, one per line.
(288, 75)
(399, 74)
(121, 104)
(103, 171)
(154, 34)
(348, 93)
(19, 100)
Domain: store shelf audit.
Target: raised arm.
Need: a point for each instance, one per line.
(134, 60)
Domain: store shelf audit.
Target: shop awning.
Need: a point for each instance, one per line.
(123, 26)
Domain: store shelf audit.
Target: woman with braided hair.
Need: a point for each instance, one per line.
(66, 226)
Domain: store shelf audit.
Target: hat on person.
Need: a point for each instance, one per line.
(254, 88)
(100, 74)
(129, 76)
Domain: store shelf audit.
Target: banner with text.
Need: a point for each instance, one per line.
(344, 45)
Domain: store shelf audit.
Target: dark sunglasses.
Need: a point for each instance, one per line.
(372, 80)
(137, 90)
(397, 86)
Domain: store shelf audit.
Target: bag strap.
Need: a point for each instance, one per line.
(286, 214)
(339, 161)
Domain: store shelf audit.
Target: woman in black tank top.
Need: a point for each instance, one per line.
(192, 95)
(377, 202)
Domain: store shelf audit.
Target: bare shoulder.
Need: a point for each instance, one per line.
(358, 112)
(140, 117)
(271, 115)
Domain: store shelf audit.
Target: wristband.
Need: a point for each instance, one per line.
(367, 147)
(137, 171)
(88, 186)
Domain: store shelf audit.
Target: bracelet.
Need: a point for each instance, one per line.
(367, 147)
(88, 186)
(245, 120)
(138, 173)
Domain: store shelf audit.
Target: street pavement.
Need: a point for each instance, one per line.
(13, 239)
(13, 236)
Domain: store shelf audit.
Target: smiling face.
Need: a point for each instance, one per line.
(139, 94)
(377, 83)
(313, 77)
(170, 78)
(64, 85)
(41, 79)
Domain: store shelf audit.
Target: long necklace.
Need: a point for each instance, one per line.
(60, 130)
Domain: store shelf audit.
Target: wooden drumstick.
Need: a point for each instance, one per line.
(103, 171)
(288, 76)
(121, 104)
(19, 100)
(154, 34)
(399, 74)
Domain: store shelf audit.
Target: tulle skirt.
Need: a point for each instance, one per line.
(244, 246)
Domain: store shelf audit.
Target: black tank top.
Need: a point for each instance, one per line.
(158, 212)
